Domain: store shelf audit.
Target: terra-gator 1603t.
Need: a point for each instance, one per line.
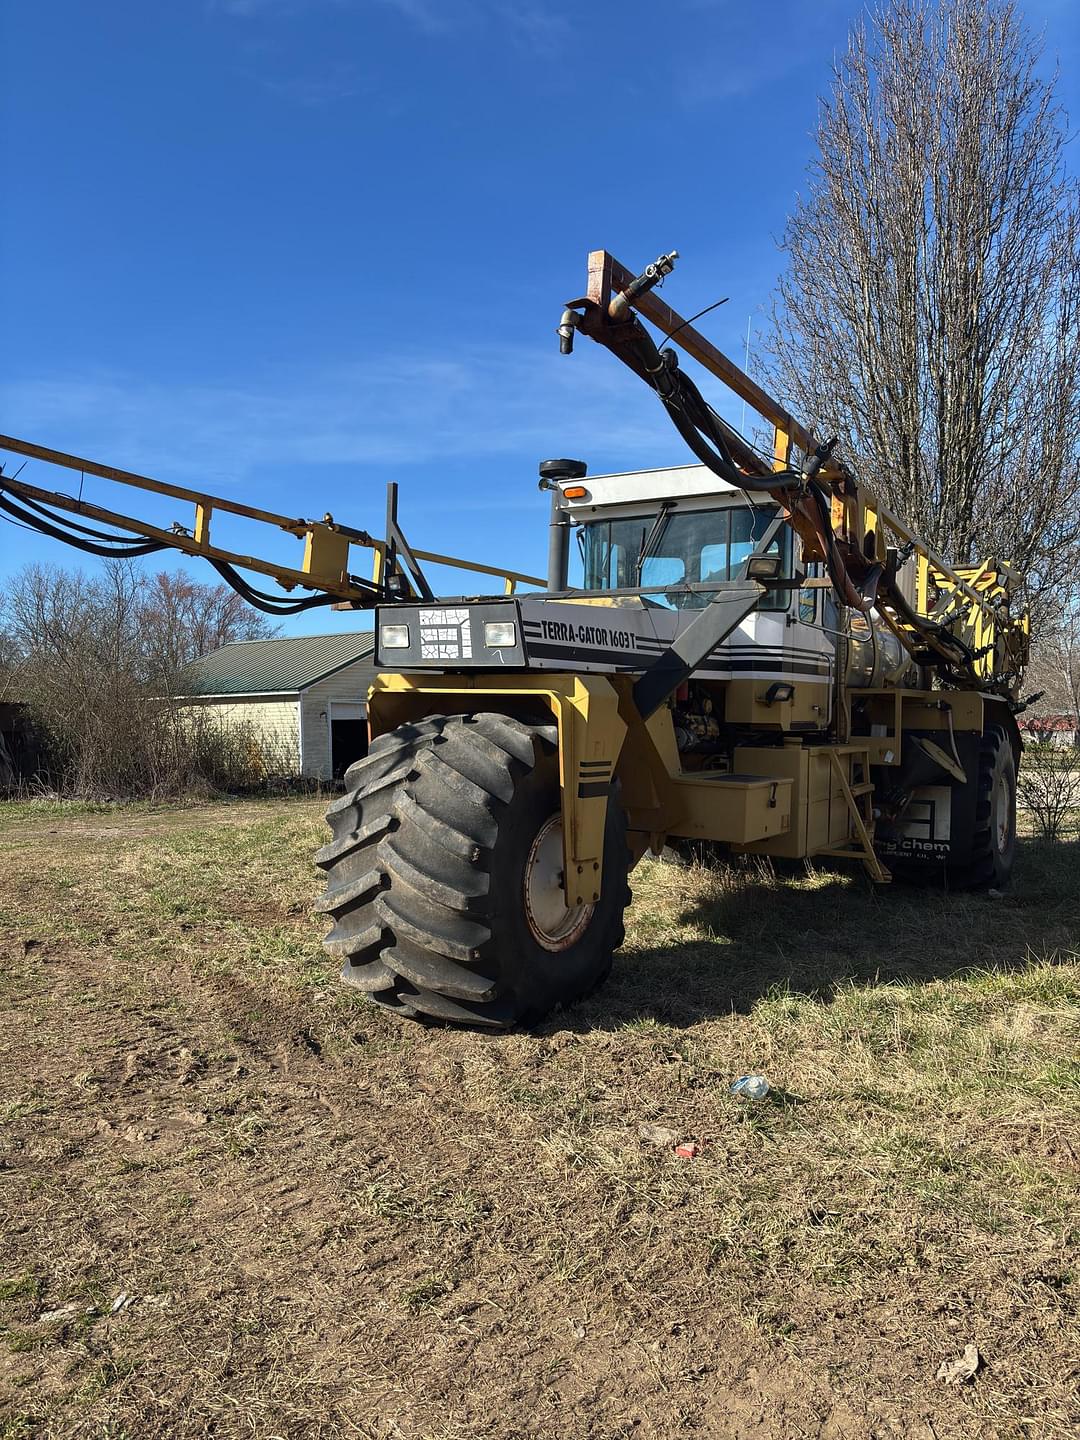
(759, 655)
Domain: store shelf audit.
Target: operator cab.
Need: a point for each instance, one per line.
(648, 539)
(702, 531)
(665, 551)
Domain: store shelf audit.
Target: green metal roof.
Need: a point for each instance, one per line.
(273, 667)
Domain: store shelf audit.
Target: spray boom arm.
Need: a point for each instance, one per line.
(324, 569)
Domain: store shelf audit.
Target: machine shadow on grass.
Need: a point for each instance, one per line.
(746, 932)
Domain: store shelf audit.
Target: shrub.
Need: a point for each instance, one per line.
(1048, 786)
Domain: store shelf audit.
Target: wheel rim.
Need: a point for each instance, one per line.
(1004, 814)
(553, 923)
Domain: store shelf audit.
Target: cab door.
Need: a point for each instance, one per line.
(813, 635)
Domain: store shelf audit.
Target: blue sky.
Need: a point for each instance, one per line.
(291, 249)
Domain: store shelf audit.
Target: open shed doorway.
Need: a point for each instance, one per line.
(348, 735)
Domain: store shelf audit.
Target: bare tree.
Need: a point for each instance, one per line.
(95, 659)
(1048, 786)
(1056, 666)
(181, 619)
(77, 638)
(930, 314)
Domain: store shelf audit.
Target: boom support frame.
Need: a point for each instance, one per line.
(960, 621)
(396, 573)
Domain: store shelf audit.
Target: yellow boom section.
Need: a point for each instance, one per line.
(325, 565)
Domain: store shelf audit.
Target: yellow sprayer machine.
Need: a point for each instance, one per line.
(759, 656)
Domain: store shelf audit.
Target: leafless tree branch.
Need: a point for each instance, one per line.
(930, 312)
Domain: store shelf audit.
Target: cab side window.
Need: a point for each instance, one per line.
(808, 598)
(748, 527)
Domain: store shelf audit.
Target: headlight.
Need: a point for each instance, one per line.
(394, 637)
(498, 633)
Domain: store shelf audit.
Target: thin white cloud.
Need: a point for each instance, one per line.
(432, 17)
(539, 25)
(249, 9)
(318, 88)
(738, 55)
(404, 410)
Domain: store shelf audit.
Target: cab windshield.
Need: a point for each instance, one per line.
(688, 547)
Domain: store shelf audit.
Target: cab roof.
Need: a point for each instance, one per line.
(673, 482)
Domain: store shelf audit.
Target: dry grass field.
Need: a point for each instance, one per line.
(236, 1201)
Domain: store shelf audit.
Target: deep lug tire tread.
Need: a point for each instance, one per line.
(417, 924)
(984, 867)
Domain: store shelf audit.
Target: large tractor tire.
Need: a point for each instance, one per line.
(983, 823)
(993, 846)
(444, 876)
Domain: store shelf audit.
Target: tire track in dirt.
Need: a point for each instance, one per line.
(241, 1240)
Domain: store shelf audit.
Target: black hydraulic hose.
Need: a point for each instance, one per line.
(268, 604)
(118, 551)
(700, 447)
(933, 634)
(685, 405)
(71, 524)
(715, 454)
(859, 599)
(116, 547)
(690, 412)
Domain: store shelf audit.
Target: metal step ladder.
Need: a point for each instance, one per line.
(860, 843)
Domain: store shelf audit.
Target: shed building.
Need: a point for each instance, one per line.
(1042, 729)
(304, 698)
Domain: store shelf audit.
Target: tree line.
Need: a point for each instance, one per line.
(92, 660)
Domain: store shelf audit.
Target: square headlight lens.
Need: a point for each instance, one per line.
(763, 567)
(394, 637)
(498, 633)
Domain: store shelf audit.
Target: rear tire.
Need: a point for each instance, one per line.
(443, 876)
(988, 860)
(993, 846)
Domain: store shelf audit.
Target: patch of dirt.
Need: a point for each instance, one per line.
(128, 824)
(253, 1208)
(214, 1182)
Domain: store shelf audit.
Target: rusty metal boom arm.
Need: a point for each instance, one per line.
(960, 620)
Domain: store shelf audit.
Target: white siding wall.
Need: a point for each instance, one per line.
(294, 733)
(273, 725)
(351, 684)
